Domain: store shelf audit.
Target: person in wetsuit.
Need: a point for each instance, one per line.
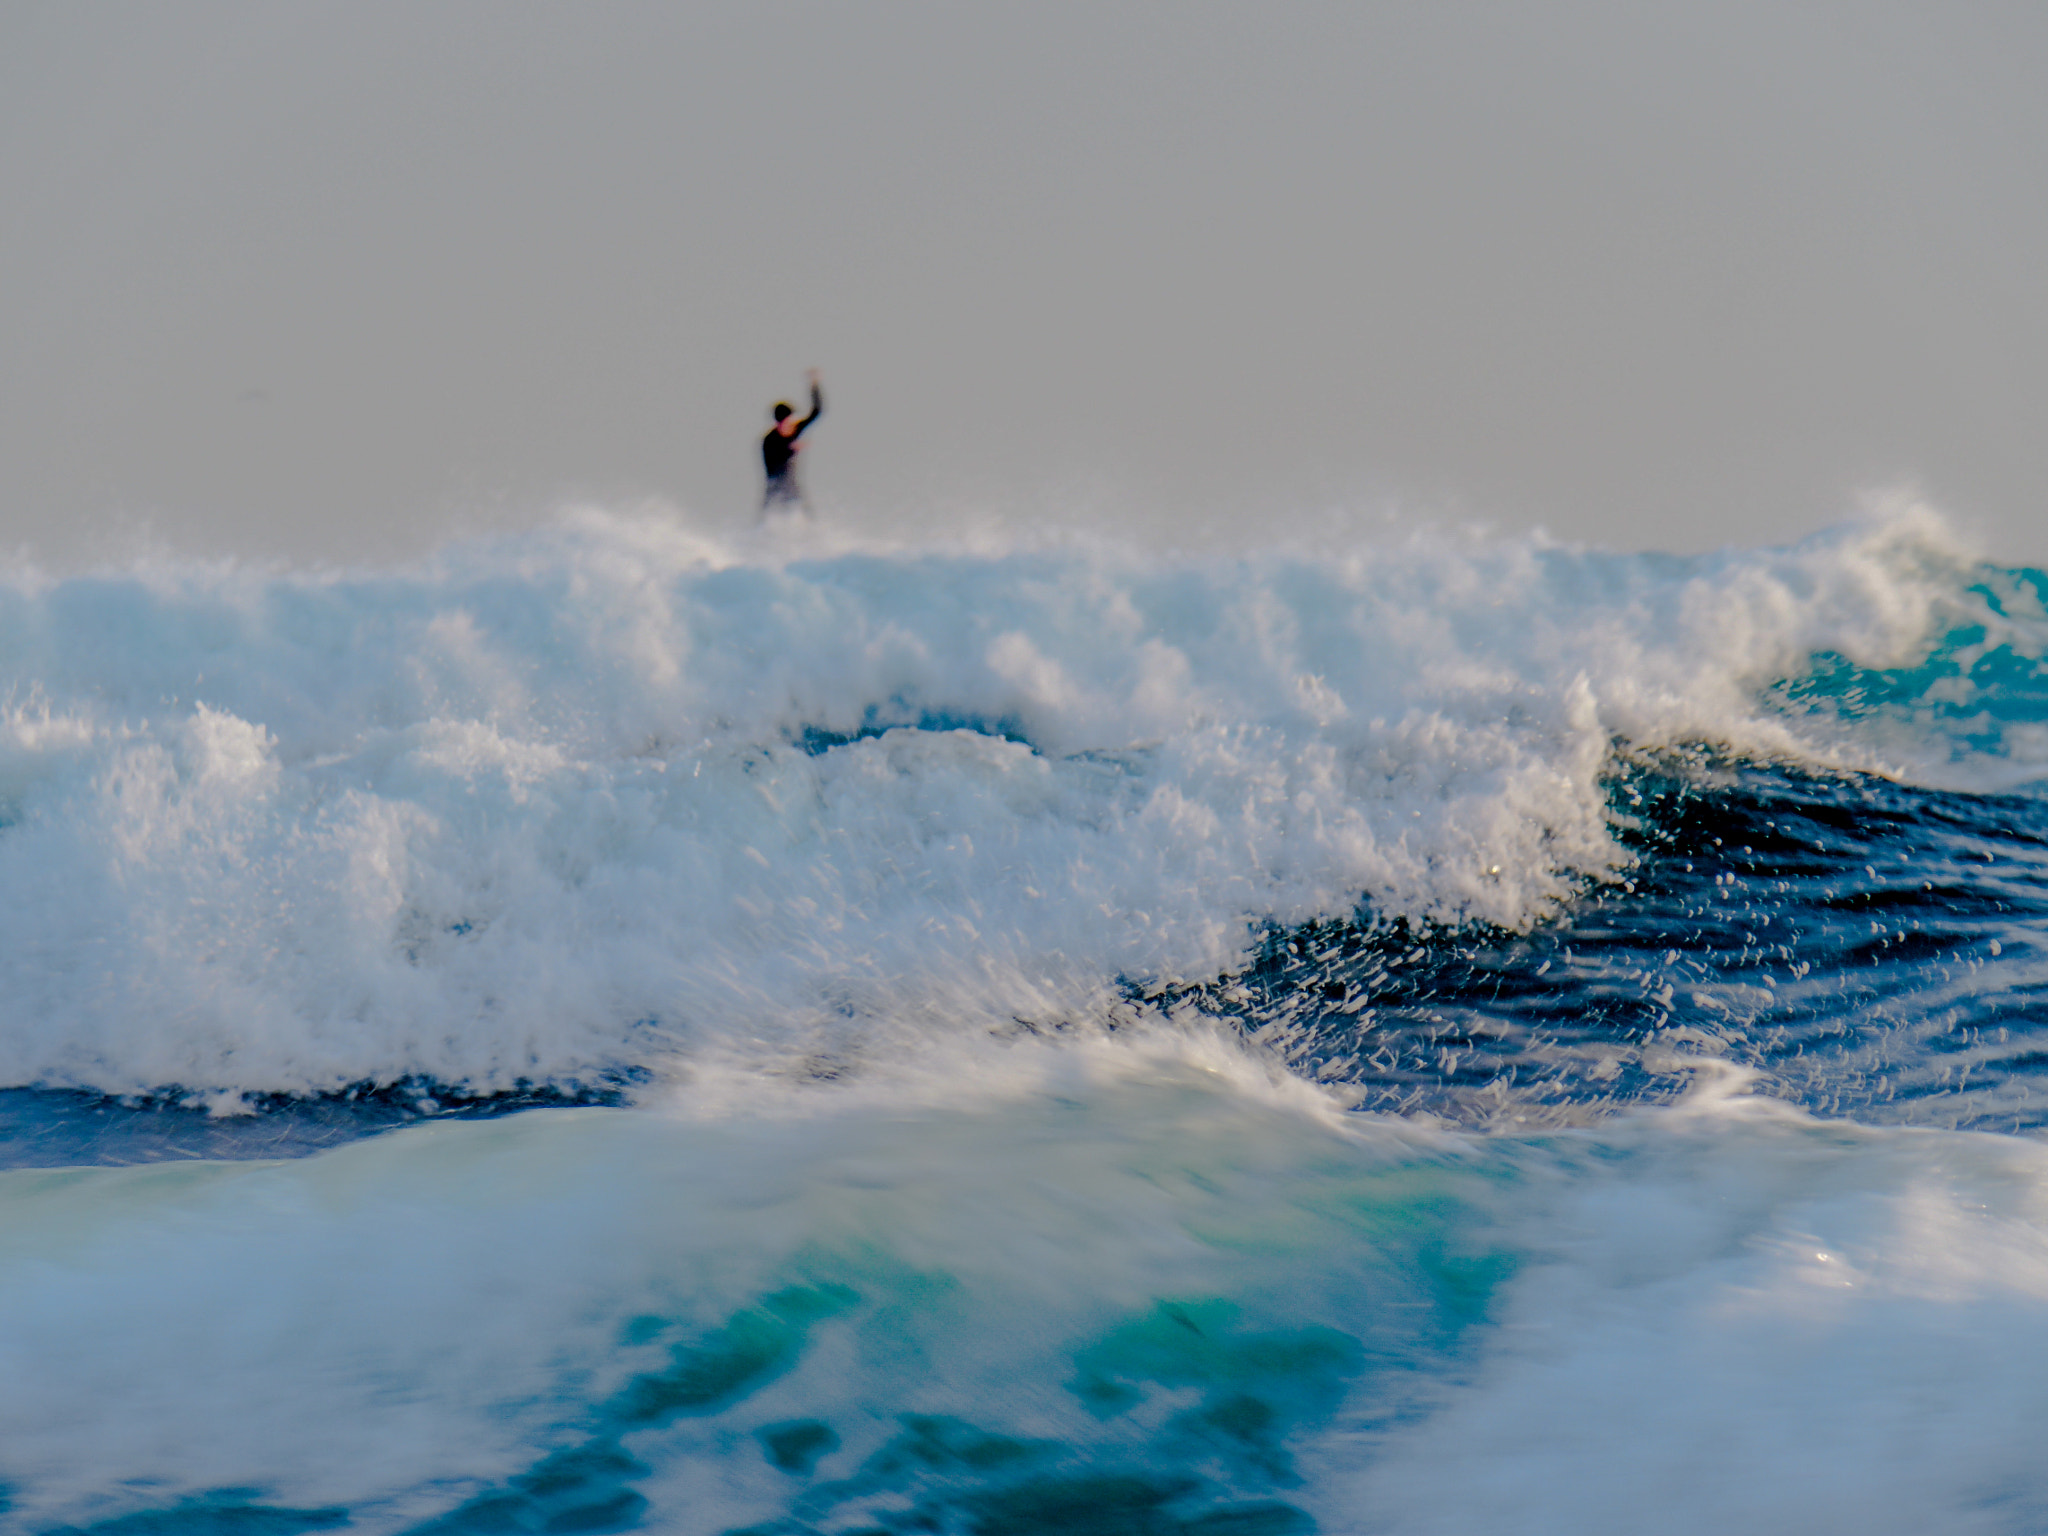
(779, 450)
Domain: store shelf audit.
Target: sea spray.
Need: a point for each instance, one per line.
(562, 809)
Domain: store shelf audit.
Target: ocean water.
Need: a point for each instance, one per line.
(615, 1028)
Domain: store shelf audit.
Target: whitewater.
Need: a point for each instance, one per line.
(622, 1026)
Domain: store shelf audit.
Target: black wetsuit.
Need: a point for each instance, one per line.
(778, 457)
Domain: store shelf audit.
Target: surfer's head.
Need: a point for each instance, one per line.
(784, 410)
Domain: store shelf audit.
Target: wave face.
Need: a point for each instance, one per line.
(1066, 1038)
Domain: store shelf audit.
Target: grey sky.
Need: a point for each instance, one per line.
(331, 279)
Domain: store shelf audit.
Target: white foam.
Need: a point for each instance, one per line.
(529, 810)
(1762, 1324)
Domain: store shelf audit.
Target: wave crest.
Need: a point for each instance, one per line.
(545, 809)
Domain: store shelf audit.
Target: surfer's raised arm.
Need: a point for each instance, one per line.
(817, 403)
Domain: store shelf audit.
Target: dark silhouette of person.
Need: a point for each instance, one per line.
(779, 450)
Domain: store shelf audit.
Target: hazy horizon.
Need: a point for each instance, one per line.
(330, 282)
